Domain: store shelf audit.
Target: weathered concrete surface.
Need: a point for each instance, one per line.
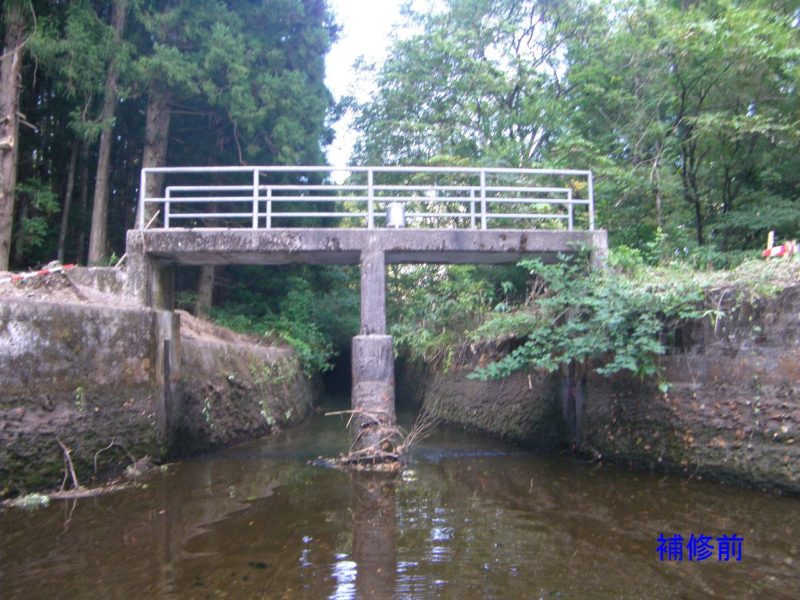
(84, 374)
(373, 293)
(345, 246)
(148, 282)
(373, 389)
(87, 374)
(731, 413)
(233, 390)
(523, 408)
(108, 280)
(732, 410)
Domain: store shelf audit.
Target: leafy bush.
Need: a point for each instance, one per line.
(582, 316)
(301, 316)
(430, 307)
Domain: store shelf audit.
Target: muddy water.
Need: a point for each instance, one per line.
(470, 518)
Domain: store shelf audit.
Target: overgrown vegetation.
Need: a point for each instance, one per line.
(685, 111)
(615, 319)
(314, 310)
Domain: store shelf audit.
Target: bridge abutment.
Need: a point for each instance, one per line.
(148, 281)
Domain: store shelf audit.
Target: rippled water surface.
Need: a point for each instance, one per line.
(470, 518)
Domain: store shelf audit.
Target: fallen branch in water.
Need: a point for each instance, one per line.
(90, 492)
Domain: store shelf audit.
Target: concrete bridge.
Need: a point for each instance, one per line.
(383, 215)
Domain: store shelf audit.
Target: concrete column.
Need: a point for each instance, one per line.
(167, 337)
(373, 293)
(373, 361)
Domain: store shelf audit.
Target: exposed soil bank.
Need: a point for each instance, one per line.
(81, 364)
(232, 390)
(731, 412)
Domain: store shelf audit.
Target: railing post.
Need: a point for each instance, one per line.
(571, 211)
(255, 198)
(471, 208)
(483, 199)
(142, 182)
(370, 201)
(269, 208)
(591, 201)
(167, 195)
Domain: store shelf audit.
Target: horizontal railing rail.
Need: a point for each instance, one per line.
(366, 197)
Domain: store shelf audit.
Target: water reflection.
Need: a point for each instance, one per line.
(470, 518)
(374, 529)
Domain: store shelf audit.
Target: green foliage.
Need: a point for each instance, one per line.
(431, 306)
(472, 83)
(243, 83)
(686, 112)
(603, 318)
(313, 348)
(37, 225)
(316, 311)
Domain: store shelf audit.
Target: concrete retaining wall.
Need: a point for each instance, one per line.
(87, 374)
(231, 392)
(81, 373)
(523, 408)
(731, 412)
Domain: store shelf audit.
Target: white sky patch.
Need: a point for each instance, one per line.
(366, 31)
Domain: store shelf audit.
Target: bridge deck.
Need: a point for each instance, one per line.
(345, 246)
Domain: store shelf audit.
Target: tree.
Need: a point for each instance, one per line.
(16, 19)
(685, 110)
(98, 236)
(480, 81)
(682, 103)
(220, 82)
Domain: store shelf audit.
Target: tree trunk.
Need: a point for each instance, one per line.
(10, 73)
(62, 233)
(156, 137)
(99, 231)
(23, 205)
(83, 198)
(655, 184)
(698, 220)
(205, 291)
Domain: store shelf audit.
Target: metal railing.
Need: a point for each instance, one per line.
(359, 197)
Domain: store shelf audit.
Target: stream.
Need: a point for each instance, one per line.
(470, 517)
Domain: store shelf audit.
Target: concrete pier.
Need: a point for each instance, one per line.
(373, 358)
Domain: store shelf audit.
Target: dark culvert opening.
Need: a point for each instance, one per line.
(338, 381)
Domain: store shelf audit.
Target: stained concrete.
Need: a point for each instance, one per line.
(345, 246)
(373, 389)
(159, 383)
(730, 411)
(373, 293)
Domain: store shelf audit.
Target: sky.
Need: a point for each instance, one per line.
(366, 30)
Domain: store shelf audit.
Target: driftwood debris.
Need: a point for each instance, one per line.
(389, 452)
